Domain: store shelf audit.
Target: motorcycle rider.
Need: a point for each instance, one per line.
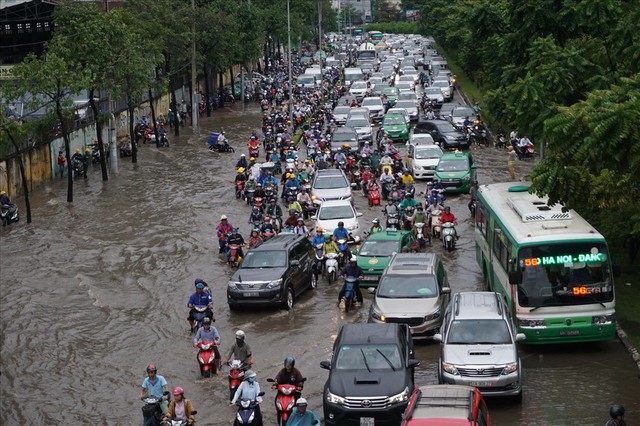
(321, 163)
(223, 228)
(294, 205)
(420, 216)
(274, 210)
(407, 202)
(155, 385)
(330, 245)
(254, 238)
(300, 416)
(289, 375)
(300, 228)
(617, 416)
(267, 227)
(256, 215)
(473, 194)
(386, 177)
(223, 145)
(447, 216)
(4, 199)
(249, 390)
(86, 159)
(338, 158)
(180, 408)
(406, 177)
(386, 162)
(236, 238)
(521, 148)
(391, 209)
(208, 333)
(270, 180)
(375, 160)
(242, 162)
(341, 233)
(200, 298)
(240, 350)
(375, 227)
(77, 158)
(292, 220)
(352, 270)
(254, 167)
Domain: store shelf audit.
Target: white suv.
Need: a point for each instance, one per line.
(375, 106)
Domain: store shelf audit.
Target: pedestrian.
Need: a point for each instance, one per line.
(61, 161)
(85, 162)
(511, 155)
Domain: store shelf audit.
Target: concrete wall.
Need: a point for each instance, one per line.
(37, 168)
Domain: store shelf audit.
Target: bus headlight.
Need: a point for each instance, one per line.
(603, 319)
(531, 323)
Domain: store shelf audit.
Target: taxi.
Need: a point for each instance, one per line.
(376, 251)
(456, 171)
(396, 126)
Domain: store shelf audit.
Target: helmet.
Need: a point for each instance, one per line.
(249, 373)
(254, 208)
(353, 259)
(77, 150)
(406, 170)
(242, 155)
(199, 285)
(223, 217)
(340, 224)
(290, 199)
(327, 238)
(273, 200)
(267, 219)
(240, 169)
(319, 230)
(300, 220)
(290, 361)
(376, 220)
(239, 334)
(151, 368)
(178, 390)
(616, 410)
(87, 150)
(407, 195)
(206, 320)
(222, 132)
(447, 209)
(252, 159)
(302, 401)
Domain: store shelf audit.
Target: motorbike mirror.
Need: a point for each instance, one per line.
(194, 412)
(412, 363)
(437, 337)
(304, 379)
(325, 364)
(313, 217)
(359, 214)
(515, 277)
(371, 290)
(271, 380)
(261, 394)
(445, 290)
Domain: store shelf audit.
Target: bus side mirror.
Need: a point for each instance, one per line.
(515, 277)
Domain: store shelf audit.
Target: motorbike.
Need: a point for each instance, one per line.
(248, 194)
(308, 210)
(207, 359)
(233, 253)
(9, 214)
(247, 411)
(76, 166)
(254, 151)
(449, 236)
(198, 316)
(343, 248)
(421, 238)
(355, 180)
(176, 422)
(240, 189)
(435, 222)
(290, 191)
(408, 218)
(438, 194)
(285, 401)
(235, 376)
(164, 140)
(387, 187)
(331, 266)
(151, 410)
(221, 148)
(257, 202)
(349, 294)
(319, 257)
(396, 195)
(95, 154)
(374, 195)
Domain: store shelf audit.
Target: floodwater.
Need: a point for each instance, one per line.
(94, 291)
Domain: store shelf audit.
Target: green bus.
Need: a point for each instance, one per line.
(551, 266)
(375, 35)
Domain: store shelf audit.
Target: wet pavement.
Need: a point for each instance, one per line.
(94, 291)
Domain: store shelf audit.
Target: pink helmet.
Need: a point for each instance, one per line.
(178, 390)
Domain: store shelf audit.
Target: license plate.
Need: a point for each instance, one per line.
(251, 294)
(570, 333)
(480, 384)
(367, 421)
(371, 278)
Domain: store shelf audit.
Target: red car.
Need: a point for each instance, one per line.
(446, 405)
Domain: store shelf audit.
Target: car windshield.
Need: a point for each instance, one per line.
(408, 96)
(341, 110)
(405, 104)
(440, 84)
(368, 357)
(479, 332)
(446, 127)
(371, 102)
(343, 137)
(304, 79)
(453, 165)
(390, 91)
(359, 85)
(564, 274)
(264, 259)
(393, 120)
(410, 71)
(407, 287)
(357, 122)
(378, 248)
(330, 182)
(406, 78)
(432, 91)
(403, 85)
(463, 112)
(426, 152)
(335, 212)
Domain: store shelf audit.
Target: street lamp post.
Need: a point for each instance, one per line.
(289, 61)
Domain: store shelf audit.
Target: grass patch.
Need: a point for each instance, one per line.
(466, 84)
(627, 296)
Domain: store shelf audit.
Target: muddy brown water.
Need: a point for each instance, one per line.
(94, 291)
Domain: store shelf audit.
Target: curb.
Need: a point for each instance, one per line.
(633, 351)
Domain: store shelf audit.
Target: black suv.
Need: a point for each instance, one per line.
(274, 273)
(371, 375)
(444, 133)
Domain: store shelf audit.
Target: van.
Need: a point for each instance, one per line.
(351, 75)
(436, 66)
(306, 81)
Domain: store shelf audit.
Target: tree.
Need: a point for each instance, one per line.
(14, 132)
(54, 79)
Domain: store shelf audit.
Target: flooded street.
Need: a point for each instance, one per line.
(94, 291)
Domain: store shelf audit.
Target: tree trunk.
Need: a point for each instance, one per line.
(172, 94)
(190, 106)
(207, 91)
(221, 90)
(23, 176)
(233, 84)
(134, 146)
(67, 149)
(103, 163)
(153, 118)
(278, 50)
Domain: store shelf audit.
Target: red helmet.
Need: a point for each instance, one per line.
(267, 219)
(151, 368)
(178, 390)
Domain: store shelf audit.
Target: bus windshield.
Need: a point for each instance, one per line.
(367, 54)
(564, 274)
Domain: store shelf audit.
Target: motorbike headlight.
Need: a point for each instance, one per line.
(510, 368)
(401, 397)
(334, 399)
(232, 285)
(252, 416)
(449, 368)
(239, 418)
(275, 283)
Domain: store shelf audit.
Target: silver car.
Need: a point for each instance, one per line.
(375, 106)
(460, 114)
(331, 184)
(410, 106)
(340, 114)
(445, 88)
(361, 126)
(478, 345)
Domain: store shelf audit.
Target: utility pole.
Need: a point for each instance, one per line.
(194, 101)
(289, 61)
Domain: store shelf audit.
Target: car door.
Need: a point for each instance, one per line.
(441, 278)
(297, 268)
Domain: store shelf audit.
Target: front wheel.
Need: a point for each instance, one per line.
(331, 276)
(314, 280)
(288, 300)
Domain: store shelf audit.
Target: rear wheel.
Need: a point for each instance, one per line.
(288, 299)
(314, 280)
(331, 276)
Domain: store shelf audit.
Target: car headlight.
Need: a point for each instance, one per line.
(450, 368)
(232, 285)
(274, 283)
(531, 323)
(401, 397)
(603, 319)
(334, 399)
(510, 368)
(417, 167)
(377, 315)
(432, 316)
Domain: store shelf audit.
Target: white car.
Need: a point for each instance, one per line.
(423, 160)
(410, 107)
(445, 88)
(403, 86)
(375, 106)
(460, 113)
(407, 79)
(331, 212)
(340, 114)
(359, 89)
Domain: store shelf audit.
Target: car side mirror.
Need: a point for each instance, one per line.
(371, 290)
(437, 337)
(413, 363)
(295, 263)
(473, 166)
(325, 365)
(515, 277)
(314, 217)
(521, 337)
(359, 214)
(445, 290)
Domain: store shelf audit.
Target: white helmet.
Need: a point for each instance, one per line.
(239, 334)
(353, 259)
(223, 217)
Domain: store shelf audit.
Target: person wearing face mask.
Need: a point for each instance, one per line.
(240, 350)
(249, 390)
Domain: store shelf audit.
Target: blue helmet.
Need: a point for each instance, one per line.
(290, 361)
